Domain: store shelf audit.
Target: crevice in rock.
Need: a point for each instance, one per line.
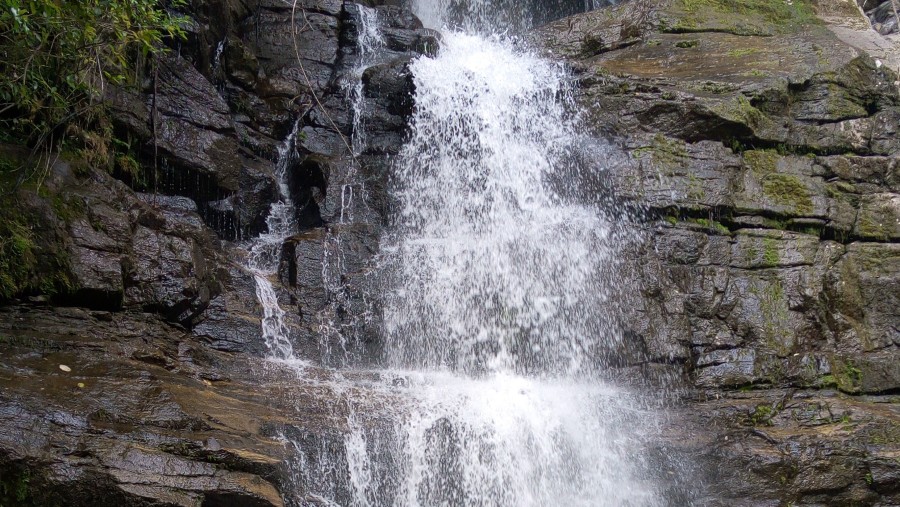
(308, 183)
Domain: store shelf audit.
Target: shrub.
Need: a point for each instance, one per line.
(58, 56)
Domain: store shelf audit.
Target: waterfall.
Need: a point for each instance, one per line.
(491, 267)
(495, 289)
(496, 278)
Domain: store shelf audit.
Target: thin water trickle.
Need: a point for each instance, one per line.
(339, 335)
(265, 255)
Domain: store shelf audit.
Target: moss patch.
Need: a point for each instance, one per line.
(762, 162)
(762, 416)
(33, 258)
(847, 377)
(788, 191)
(712, 225)
(666, 154)
(773, 306)
(742, 17)
(15, 488)
(740, 110)
(770, 252)
(684, 44)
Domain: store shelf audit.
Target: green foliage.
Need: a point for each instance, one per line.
(31, 258)
(15, 488)
(17, 257)
(58, 57)
(762, 416)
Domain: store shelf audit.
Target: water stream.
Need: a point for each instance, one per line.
(265, 255)
(495, 282)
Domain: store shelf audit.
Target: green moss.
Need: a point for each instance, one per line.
(762, 162)
(712, 225)
(770, 252)
(742, 52)
(828, 381)
(788, 191)
(774, 223)
(762, 415)
(717, 88)
(591, 45)
(17, 256)
(847, 376)
(743, 17)
(775, 317)
(684, 44)
(876, 223)
(31, 260)
(15, 488)
(666, 154)
(740, 110)
(888, 434)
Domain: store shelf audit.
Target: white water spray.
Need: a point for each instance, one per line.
(495, 304)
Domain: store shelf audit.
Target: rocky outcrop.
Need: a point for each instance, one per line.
(103, 408)
(765, 148)
(130, 372)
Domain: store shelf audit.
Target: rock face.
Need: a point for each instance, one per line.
(767, 150)
(760, 147)
(151, 310)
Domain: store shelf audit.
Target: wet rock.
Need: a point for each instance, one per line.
(769, 257)
(120, 430)
(167, 275)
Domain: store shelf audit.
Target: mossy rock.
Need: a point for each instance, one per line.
(787, 190)
(33, 257)
(740, 17)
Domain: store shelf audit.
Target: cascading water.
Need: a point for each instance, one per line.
(491, 268)
(265, 255)
(496, 280)
(494, 303)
